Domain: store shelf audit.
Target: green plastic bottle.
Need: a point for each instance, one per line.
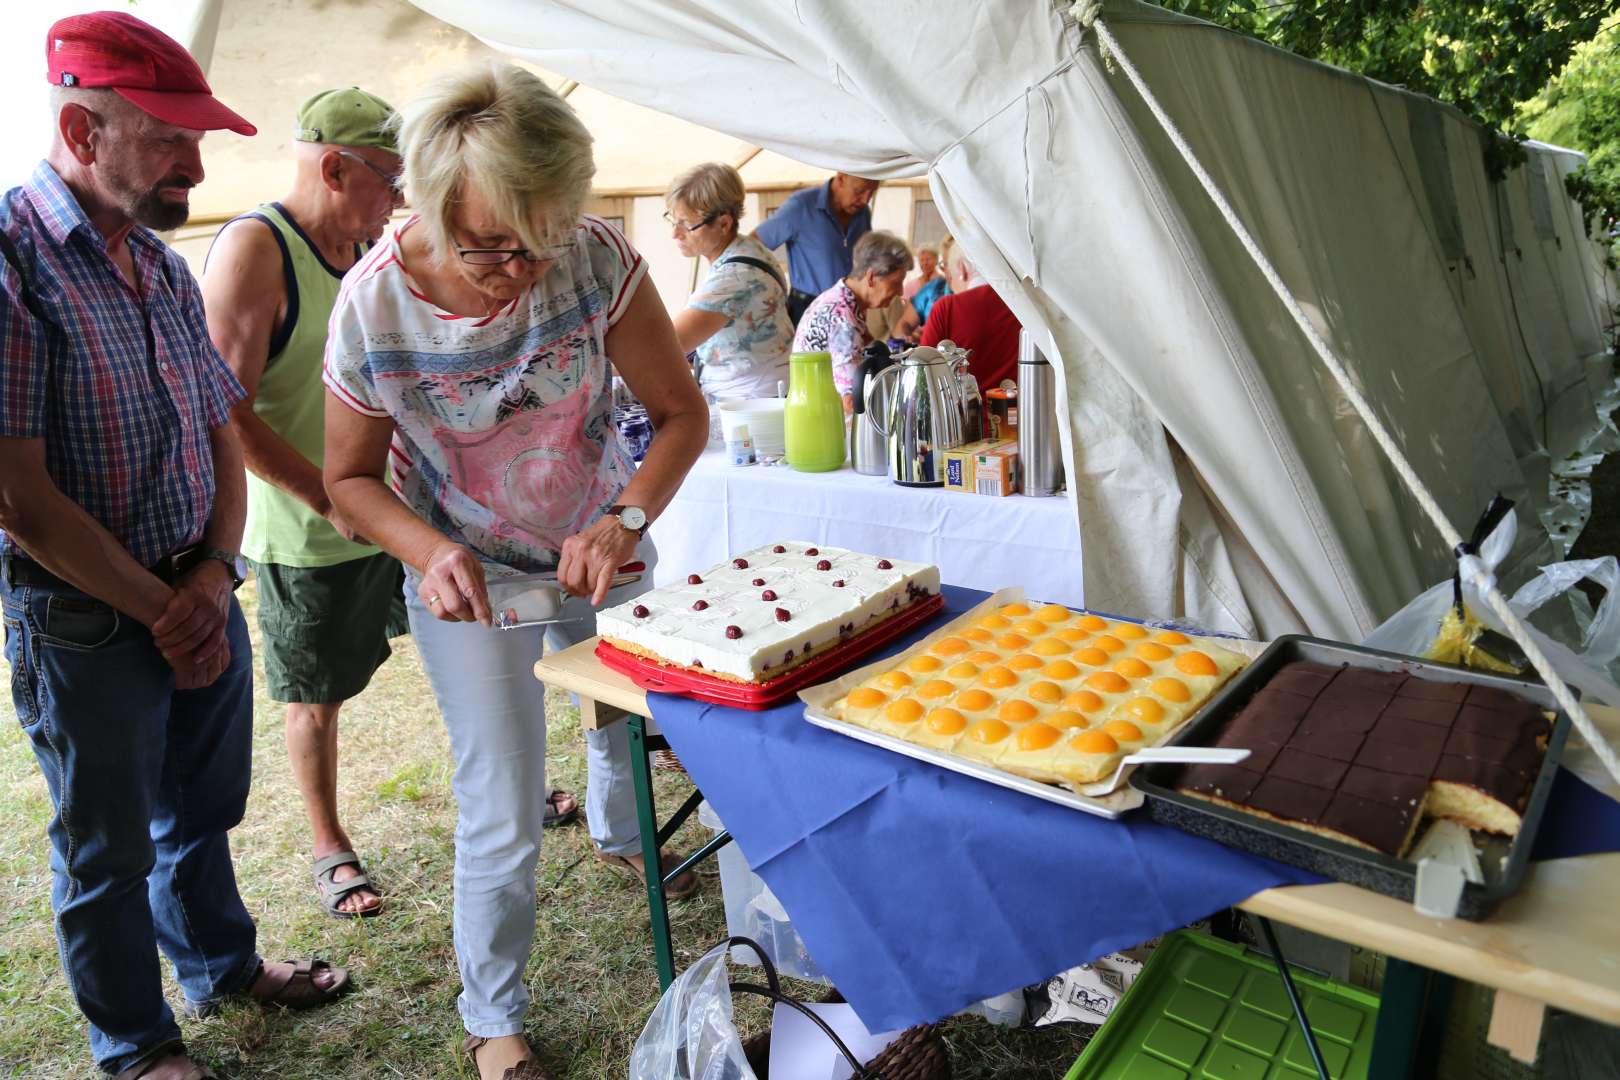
(813, 418)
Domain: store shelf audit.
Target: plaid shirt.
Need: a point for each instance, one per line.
(124, 389)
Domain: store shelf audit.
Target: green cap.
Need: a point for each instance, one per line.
(346, 117)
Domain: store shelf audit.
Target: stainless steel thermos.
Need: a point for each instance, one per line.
(868, 449)
(1040, 455)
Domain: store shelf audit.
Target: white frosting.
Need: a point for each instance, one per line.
(817, 610)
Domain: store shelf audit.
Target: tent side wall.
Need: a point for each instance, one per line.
(1320, 166)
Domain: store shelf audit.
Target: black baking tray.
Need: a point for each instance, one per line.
(1503, 860)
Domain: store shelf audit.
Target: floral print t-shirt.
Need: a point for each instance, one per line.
(835, 322)
(504, 437)
(748, 356)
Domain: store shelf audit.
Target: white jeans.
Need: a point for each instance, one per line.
(494, 710)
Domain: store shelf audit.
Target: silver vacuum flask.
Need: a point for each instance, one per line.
(1040, 454)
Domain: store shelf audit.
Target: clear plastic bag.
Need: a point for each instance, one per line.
(690, 1035)
(1585, 665)
(1583, 658)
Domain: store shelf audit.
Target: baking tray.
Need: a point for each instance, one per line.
(1503, 860)
(649, 674)
(1111, 805)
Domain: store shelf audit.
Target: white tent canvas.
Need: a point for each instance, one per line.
(1215, 468)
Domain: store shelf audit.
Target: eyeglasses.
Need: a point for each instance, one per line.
(498, 256)
(393, 180)
(683, 227)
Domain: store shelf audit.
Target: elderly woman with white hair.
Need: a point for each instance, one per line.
(469, 432)
(835, 321)
(737, 319)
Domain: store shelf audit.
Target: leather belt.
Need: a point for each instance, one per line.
(26, 572)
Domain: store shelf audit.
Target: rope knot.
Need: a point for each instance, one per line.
(1085, 12)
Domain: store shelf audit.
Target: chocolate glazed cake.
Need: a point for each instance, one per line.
(1362, 756)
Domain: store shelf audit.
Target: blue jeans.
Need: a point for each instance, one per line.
(145, 781)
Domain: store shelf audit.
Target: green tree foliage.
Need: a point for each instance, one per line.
(1484, 56)
(1581, 109)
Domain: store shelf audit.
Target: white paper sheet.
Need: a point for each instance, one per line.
(801, 1051)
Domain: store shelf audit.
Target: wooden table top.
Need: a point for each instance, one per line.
(1556, 941)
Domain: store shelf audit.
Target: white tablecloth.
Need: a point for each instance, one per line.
(976, 541)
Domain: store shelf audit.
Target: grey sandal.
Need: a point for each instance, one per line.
(332, 891)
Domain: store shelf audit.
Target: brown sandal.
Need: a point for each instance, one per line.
(527, 1069)
(144, 1066)
(679, 889)
(298, 990)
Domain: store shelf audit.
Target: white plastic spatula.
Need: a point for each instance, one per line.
(1166, 755)
(535, 599)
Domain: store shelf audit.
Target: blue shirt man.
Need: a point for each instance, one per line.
(820, 225)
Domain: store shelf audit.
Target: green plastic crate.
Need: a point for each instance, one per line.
(1203, 1009)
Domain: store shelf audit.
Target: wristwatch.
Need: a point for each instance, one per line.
(232, 561)
(633, 518)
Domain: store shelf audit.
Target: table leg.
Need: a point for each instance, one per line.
(1294, 999)
(1411, 1021)
(657, 905)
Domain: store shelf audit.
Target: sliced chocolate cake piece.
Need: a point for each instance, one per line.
(1379, 826)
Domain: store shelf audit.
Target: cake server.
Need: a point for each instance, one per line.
(1170, 755)
(535, 599)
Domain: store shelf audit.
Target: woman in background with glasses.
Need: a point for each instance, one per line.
(469, 432)
(737, 320)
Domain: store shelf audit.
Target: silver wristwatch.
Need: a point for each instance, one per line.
(633, 518)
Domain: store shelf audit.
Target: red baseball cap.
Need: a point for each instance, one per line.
(147, 68)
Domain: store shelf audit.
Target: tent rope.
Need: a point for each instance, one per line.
(1089, 15)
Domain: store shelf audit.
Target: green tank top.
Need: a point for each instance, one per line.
(282, 528)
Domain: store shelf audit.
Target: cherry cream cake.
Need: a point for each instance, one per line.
(760, 614)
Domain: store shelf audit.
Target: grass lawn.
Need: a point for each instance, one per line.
(591, 973)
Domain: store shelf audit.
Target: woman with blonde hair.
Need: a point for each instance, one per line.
(737, 320)
(469, 432)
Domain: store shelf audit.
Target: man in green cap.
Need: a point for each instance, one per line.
(328, 600)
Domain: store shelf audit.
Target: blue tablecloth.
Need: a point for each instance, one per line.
(920, 891)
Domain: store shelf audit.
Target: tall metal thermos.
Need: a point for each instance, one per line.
(868, 449)
(1040, 454)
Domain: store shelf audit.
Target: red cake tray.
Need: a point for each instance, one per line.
(652, 674)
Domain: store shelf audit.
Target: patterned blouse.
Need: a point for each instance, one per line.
(504, 437)
(748, 356)
(835, 322)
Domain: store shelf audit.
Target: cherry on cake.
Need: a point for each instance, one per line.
(766, 611)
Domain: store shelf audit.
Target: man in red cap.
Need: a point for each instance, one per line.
(121, 503)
